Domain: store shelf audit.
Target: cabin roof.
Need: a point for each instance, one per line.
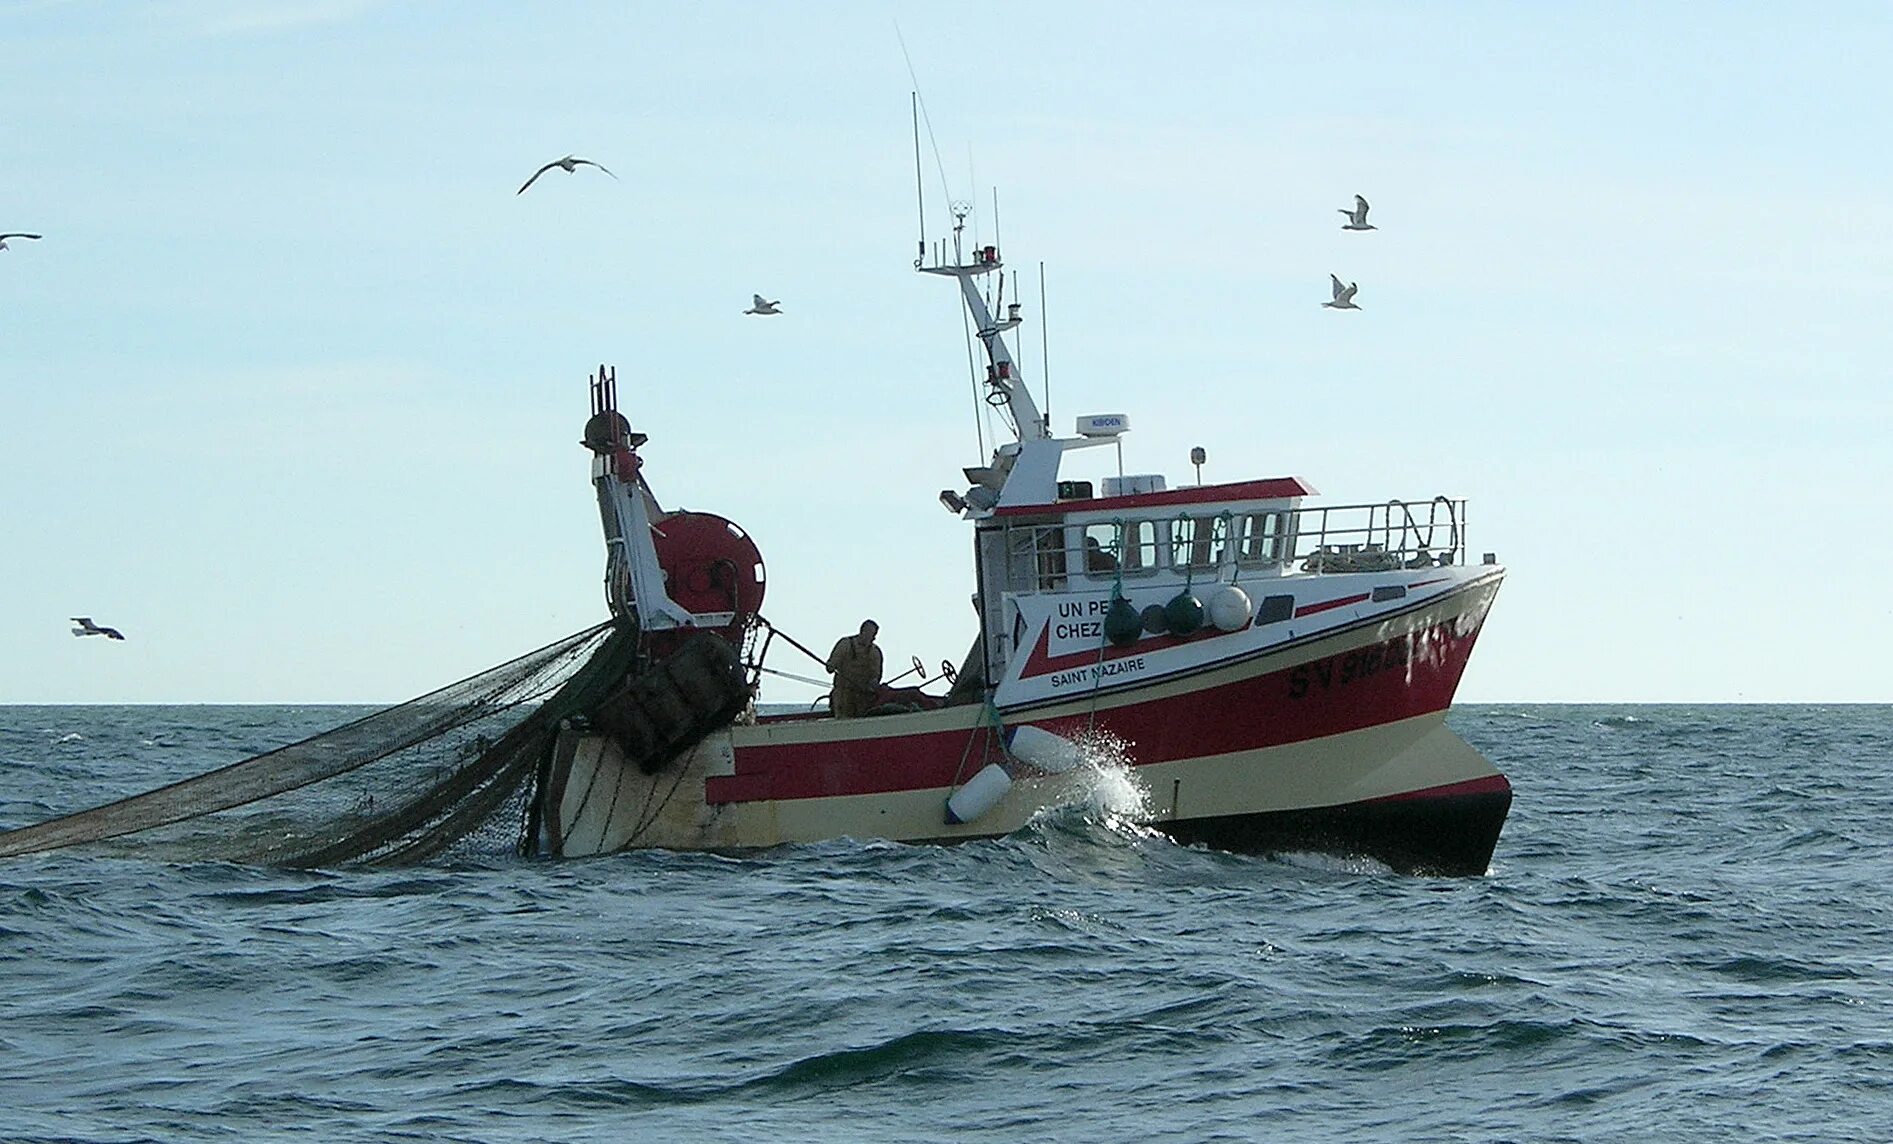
(1272, 488)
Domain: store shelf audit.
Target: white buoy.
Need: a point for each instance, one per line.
(1053, 754)
(979, 795)
(1229, 608)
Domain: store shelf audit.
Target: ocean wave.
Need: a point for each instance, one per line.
(1676, 924)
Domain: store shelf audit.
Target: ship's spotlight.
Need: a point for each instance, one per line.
(952, 501)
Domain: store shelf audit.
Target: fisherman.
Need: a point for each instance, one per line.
(856, 665)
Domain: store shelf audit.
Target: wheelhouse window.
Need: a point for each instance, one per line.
(1141, 553)
(1199, 542)
(1262, 539)
(1128, 546)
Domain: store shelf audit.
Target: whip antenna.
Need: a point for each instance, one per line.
(920, 198)
(996, 240)
(921, 107)
(1045, 353)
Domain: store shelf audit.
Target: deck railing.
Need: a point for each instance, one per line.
(1374, 537)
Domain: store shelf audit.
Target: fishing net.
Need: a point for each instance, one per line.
(455, 769)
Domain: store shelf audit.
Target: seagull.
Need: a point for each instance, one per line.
(567, 164)
(761, 306)
(1357, 218)
(1343, 295)
(88, 628)
(14, 234)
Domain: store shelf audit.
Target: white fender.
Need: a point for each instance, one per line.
(979, 795)
(1229, 608)
(1053, 754)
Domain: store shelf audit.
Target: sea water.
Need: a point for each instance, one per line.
(1686, 934)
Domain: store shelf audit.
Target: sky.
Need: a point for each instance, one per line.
(291, 390)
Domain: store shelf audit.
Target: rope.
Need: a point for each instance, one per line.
(1189, 567)
(1117, 593)
(648, 816)
(988, 713)
(1117, 545)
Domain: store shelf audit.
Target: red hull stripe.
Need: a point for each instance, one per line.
(1275, 488)
(1325, 605)
(1491, 784)
(1399, 679)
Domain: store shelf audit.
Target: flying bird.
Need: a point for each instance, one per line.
(1357, 218)
(88, 628)
(568, 165)
(761, 306)
(14, 234)
(1343, 295)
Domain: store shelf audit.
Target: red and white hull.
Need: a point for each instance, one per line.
(1331, 741)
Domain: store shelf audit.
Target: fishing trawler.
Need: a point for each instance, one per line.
(1273, 672)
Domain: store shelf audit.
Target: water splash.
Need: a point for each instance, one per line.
(1111, 788)
(1103, 802)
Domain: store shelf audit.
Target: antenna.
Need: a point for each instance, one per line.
(972, 190)
(920, 199)
(999, 303)
(604, 390)
(1045, 358)
(920, 105)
